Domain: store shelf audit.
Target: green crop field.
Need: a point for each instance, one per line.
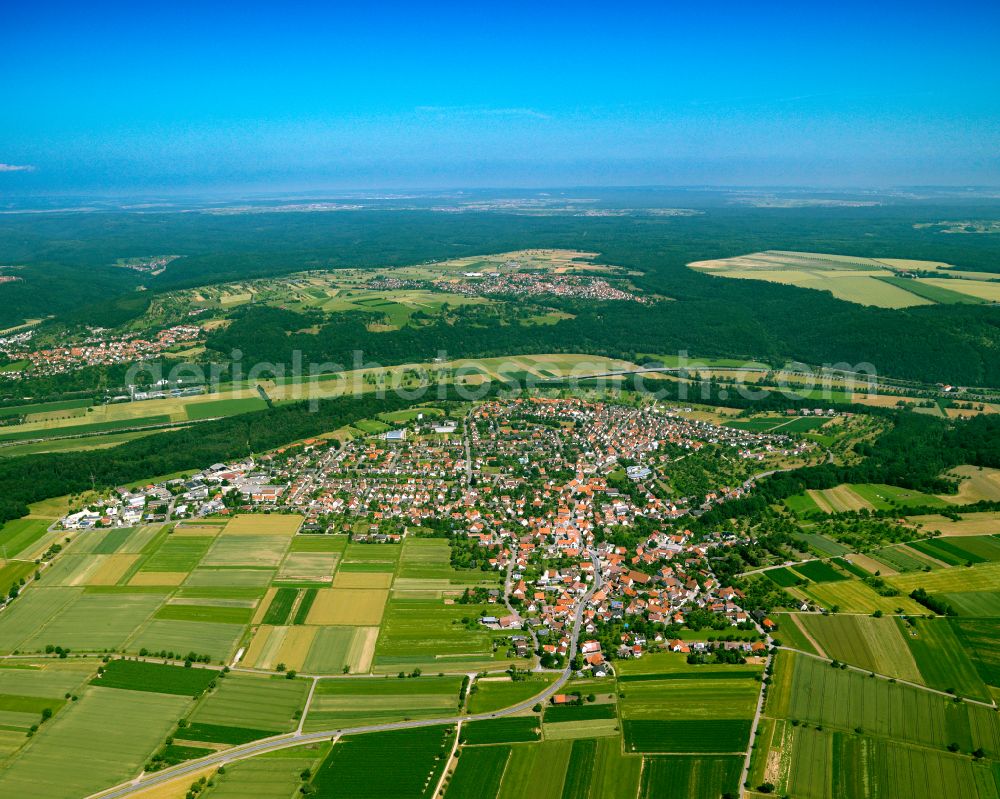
(942, 658)
(265, 777)
(789, 633)
(726, 692)
(877, 645)
(344, 703)
(79, 429)
(559, 713)
(690, 777)
(981, 640)
(43, 407)
(984, 577)
(211, 409)
(136, 675)
(281, 606)
(478, 773)
(973, 603)
(172, 635)
(817, 763)
(490, 695)
(719, 735)
(814, 692)
(802, 504)
(886, 497)
(782, 576)
(536, 770)
(580, 770)
(178, 553)
(945, 551)
(819, 572)
(101, 740)
(251, 551)
(853, 596)
(268, 703)
(355, 767)
(851, 568)
(18, 535)
(616, 775)
(93, 621)
(221, 733)
(824, 546)
(511, 729)
(929, 291)
(985, 547)
(421, 632)
(189, 611)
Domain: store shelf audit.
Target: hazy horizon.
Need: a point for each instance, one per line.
(135, 99)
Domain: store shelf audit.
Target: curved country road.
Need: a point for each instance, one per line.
(298, 738)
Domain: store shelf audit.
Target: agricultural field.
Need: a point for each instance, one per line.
(478, 773)
(976, 485)
(355, 702)
(668, 706)
(877, 645)
(493, 693)
(981, 523)
(690, 777)
(807, 689)
(854, 596)
(429, 634)
(945, 661)
(100, 740)
(275, 776)
(819, 571)
(355, 767)
(864, 281)
(983, 577)
(861, 496)
(20, 535)
(816, 763)
(246, 700)
(510, 729)
(536, 770)
(136, 675)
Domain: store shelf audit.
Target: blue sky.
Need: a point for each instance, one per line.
(190, 95)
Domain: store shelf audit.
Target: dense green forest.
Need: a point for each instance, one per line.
(65, 265)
